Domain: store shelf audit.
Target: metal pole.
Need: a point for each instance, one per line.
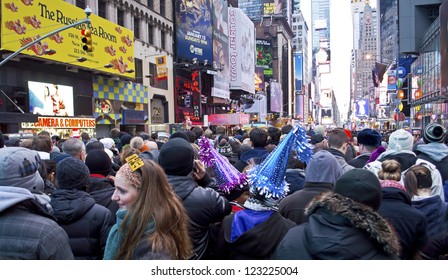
(88, 12)
(17, 106)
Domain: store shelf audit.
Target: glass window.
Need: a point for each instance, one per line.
(136, 28)
(150, 34)
(138, 71)
(81, 4)
(102, 8)
(163, 40)
(162, 8)
(120, 17)
(150, 4)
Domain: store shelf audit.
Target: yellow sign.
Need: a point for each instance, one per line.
(400, 106)
(162, 71)
(54, 122)
(25, 21)
(417, 108)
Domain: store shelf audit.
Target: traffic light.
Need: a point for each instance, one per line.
(87, 40)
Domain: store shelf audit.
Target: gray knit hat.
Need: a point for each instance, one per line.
(323, 168)
(72, 173)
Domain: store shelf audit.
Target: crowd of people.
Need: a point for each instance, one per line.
(226, 194)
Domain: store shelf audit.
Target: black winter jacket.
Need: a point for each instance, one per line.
(204, 206)
(87, 224)
(101, 189)
(339, 229)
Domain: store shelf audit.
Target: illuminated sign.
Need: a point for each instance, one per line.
(55, 122)
(113, 45)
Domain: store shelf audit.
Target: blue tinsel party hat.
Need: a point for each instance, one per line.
(268, 178)
(226, 175)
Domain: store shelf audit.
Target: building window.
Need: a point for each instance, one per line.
(150, 4)
(102, 8)
(120, 17)
(81, 4)
(150, 34)
(137, 28)
(163, 40)
(138, 71)
(162, 8)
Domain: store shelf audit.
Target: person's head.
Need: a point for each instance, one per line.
(337, 139)
(274, 134)
(13, 142)
(177, 157)
(134, 188)
(108, 143)
(115, 133)
(286, 129)
(19, 167)
(368, 140)
(154, 136)
(220, 129)
(179, 134)
(390, 170)
(85, 136)
(400, 140)
(323, 168)
(198, 131)
(94, 145)
(244, 148)
(434, 133)
(44, 132)
(361, 186)
(320, 129)
(138, 143)
(75, 148)
(98, 162)
(72, 173)
(125, 139)
(208, 133)
(27, 143)
(418, 177)
(191, 136)
(258, 137)
(41, 143)
(127, 151)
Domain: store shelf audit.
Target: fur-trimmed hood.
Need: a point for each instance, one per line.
(359, 216)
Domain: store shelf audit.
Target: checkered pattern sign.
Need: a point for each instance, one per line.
(118, 90)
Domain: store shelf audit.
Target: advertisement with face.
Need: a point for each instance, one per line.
(194, 29)
(242, 51)
(50, 99)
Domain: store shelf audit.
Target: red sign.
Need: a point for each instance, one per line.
(392, 80)
(399, 117)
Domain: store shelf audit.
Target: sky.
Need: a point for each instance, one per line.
(341, 40)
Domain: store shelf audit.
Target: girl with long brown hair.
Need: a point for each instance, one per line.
(152, 222)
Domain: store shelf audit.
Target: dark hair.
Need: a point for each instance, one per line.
(191, 136)
(155, 136)
(179, 134)
(115, 133)
(198, 131)
(417, 177)
(274, 135)
(94, 145)
(85, 136)
(286, 129)
(258, 137)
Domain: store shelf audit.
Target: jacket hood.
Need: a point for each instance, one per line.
(346, 211)
(436, 151)
(182, 185)
(405, 158)
(70, 205)
(10, 196)
(435, 211)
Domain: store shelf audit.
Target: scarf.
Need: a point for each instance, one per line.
(115, 235)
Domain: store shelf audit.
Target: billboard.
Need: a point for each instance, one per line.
(242, 51)
(256, 9)
(276, 97)
(362, 108)
(298, 74)
(50, 99)
(194, 29)
(264, 56)
(259, 79)
(24, 23)
(444, 48)
(221, 49)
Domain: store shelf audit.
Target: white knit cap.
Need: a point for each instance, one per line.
(400, 140)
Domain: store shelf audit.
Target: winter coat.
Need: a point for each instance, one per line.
(204, 208)
(251, 235)
(340, 157)
(295, 178)
(339, 229)
(27, 231)
(101, 189)
(360, 161)
(257, 154)
(437, 154)
(408, 159)
(87, 224)
(293, 206)
(435, 211)
(408, 222)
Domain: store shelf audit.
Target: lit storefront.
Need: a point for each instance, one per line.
(60, 126)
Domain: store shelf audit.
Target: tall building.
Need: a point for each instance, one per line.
(320, 18)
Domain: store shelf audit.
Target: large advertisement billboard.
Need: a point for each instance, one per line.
(264, 56)
(25, 21)
(50, 99)
(256, 9)
(444, 48)
(362, 108)
(276, 97)
(221, 49)
(242, 51)
(298, 73)
(194, 29)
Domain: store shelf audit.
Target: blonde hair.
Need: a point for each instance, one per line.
(390, 170)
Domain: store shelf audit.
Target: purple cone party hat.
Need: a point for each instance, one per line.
(268, 179)
(226, 175)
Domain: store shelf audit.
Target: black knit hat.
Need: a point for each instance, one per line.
(72, 173)
(316, 138)
(125, 139)
(369, 137)
(434, 133)
(360, 185)
(98, 162)
(176, 157)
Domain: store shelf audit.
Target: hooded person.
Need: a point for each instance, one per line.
(435, 151)
(86, 223)
(343, 224)
(254, 232)
(101, 185)
(321, 175)
(400, 149)
(27, 229)
(204, 205)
